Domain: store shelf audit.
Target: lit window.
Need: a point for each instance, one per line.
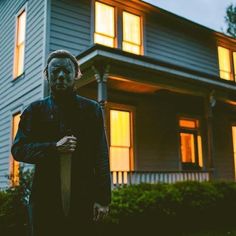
(234, 147)
(104, 24)
(187, 147)
(191, 144)
(131, 33)
(20, 44)
(120, 142)
(224, 63)
(14, 165)
(234, 63)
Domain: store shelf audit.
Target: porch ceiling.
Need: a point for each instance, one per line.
(131, 86)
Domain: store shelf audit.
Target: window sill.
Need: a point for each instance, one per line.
(19, 77)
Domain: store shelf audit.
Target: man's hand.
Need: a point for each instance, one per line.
(66, 144)
(99, 211)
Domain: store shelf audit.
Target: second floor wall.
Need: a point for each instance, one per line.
(74, 24)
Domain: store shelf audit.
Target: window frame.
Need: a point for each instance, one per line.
(196, 132)
(231, 62)
(232, 125)
(118, 21)
(141, 30)
(115, 23)
(15, 75)
(11, 159)
(128, 108)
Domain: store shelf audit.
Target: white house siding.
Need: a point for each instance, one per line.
(181, 45)
(15, 95)
(70, 25)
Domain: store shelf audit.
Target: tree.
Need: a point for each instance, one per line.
(230, 19)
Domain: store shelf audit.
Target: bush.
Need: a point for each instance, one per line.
(168, 209)
(172, 208)
(13, 206)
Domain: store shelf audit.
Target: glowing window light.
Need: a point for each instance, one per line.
(188, 123)
(234, 62)
(131, 33)
(234, 147)
(104, 24)
(119, 140)
(199, 143)
(14, 165)
(20, 45)
(187, 147)
(224, 63)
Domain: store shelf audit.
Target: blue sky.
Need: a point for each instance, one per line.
(209, 13)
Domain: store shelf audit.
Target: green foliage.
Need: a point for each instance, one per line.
(168, 209)
(230, 19)
(13, 205)
(174, 208)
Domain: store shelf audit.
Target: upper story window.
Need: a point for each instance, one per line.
(107, 29)
(191, 144)
(20, 44)
(227, 63)
(131, 33)
(104, 24)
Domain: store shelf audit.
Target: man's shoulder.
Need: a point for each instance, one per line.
(85, 102)
(36, 104)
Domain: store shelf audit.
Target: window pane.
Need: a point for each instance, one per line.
(14, 168)
(101, 39)
(234, 147)
(188, 123)
(20, 45)
(131, 28)
(21, 28)
(199, 142)
(20, 61)
(131, 48)
(119, 159)
(187, 147)
(224, 63)
(234, 61)
(104, 24)
(120, 128)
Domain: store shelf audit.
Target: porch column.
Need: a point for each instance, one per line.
(210, 103)
(101, 76)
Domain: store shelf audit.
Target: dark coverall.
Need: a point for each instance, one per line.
(42, 124)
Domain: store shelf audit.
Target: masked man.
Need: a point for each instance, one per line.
(63, 136)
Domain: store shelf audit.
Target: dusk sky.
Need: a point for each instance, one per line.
(209, 13)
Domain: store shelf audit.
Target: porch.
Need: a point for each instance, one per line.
(159, 117)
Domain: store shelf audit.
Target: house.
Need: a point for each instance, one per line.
(166, 84)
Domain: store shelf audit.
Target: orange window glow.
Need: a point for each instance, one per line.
(120, 140)
(104, 24)
(14, 165)
(20, 45)
(131, 33)
(234, 63)
(199, 143)
(234, 147)
(188, 123)
(187, 147)
(224, 63)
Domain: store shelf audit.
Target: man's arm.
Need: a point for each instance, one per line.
(24, 147)
(102, 167)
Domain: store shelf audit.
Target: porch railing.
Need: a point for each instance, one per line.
(121, 178)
